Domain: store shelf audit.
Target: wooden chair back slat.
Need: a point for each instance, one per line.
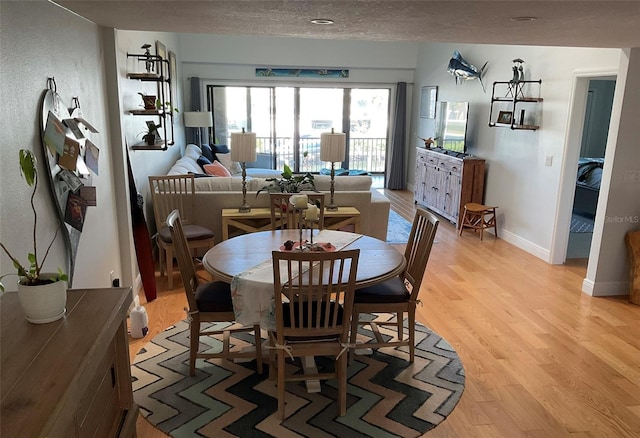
(172, 192)
(315, 284)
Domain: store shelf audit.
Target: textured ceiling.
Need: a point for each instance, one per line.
(559, 23)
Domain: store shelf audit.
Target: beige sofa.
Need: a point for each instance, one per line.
(214, 194)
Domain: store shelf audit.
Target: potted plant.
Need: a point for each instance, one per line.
(151, 135)
(289, 183)
(43, 296)
(149, 101)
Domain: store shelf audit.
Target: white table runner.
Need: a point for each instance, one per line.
(252, 290)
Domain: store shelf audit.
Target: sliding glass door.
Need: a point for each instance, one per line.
(288, 122)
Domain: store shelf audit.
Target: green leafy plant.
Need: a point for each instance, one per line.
(167, 106)
(151, 134)
(30, 274)
(289, 183)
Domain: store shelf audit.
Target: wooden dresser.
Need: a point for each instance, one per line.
(444, 183)
(71, 377)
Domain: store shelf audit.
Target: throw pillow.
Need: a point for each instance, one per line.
(216, 169)
(207, 152)
(220, 149)
(225, 160)
(203, 160)
(236, 167)
(192, 151)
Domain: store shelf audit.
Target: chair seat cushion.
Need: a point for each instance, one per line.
(305, 318)
(191, 232)
(391, 291)
(214, 296)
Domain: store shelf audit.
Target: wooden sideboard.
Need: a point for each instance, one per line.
(444, 183)
(71, 377)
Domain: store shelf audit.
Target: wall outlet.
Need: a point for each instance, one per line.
(115, 282)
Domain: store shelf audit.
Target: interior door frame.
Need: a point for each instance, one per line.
(573, 141)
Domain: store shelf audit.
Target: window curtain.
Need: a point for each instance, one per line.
(396, 178)
(192, 133)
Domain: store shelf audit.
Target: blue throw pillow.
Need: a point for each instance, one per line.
(202, 161)
(207, 152)
(220, 149)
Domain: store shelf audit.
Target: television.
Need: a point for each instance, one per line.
(451, 126)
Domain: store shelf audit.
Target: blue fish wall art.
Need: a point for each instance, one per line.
(463, 71)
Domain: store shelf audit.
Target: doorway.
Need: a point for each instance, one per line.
(590, 164)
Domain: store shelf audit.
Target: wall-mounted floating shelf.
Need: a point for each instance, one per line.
(514, 97)
(165, 113)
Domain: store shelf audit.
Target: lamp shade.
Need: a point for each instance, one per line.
(198, 119)
(332, 147)
(243, 147)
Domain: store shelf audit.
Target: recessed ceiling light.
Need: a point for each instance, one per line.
(524, 18)
(322, 21)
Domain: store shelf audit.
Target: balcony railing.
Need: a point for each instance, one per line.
(366, 154)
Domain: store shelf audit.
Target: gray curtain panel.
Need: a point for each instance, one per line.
(396, 178)
(192, 133)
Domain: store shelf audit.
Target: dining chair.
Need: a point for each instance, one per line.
(313, 308)
(167, 194)
(208, 302)
(283, 216)
(398, 295)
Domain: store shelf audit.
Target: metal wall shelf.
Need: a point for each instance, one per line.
(513, 93)
(162, 77)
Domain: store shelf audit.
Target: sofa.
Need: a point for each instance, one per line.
(213, 193)
(195, 158)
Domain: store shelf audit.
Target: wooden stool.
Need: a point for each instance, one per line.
(479, 217)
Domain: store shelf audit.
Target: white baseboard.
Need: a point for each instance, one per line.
(525, 245)
(137, 285)
(605, 288)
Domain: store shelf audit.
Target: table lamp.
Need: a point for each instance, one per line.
(198, 119)
(332, 148)
(243, 150)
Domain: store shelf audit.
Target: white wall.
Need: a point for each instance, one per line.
(235, 58)
(619, 202)
(40, 40)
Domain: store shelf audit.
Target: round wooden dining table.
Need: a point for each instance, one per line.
(378, 262)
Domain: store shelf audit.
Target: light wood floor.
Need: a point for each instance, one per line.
(542, 359)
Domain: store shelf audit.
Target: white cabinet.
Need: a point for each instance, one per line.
(444, 184)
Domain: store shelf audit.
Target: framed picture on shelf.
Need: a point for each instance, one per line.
(428, 98)
(162, 68)
(505, 117)
(173, 75)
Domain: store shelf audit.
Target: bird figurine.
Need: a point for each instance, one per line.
(149, 64)
(428, 142)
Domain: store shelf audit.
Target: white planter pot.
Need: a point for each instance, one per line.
(43, 303)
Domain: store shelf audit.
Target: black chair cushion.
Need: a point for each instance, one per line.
(191, 232)
(214, 296)
(305, 316)
(391, 291)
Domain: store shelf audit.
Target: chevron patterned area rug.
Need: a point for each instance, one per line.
(387, 396)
